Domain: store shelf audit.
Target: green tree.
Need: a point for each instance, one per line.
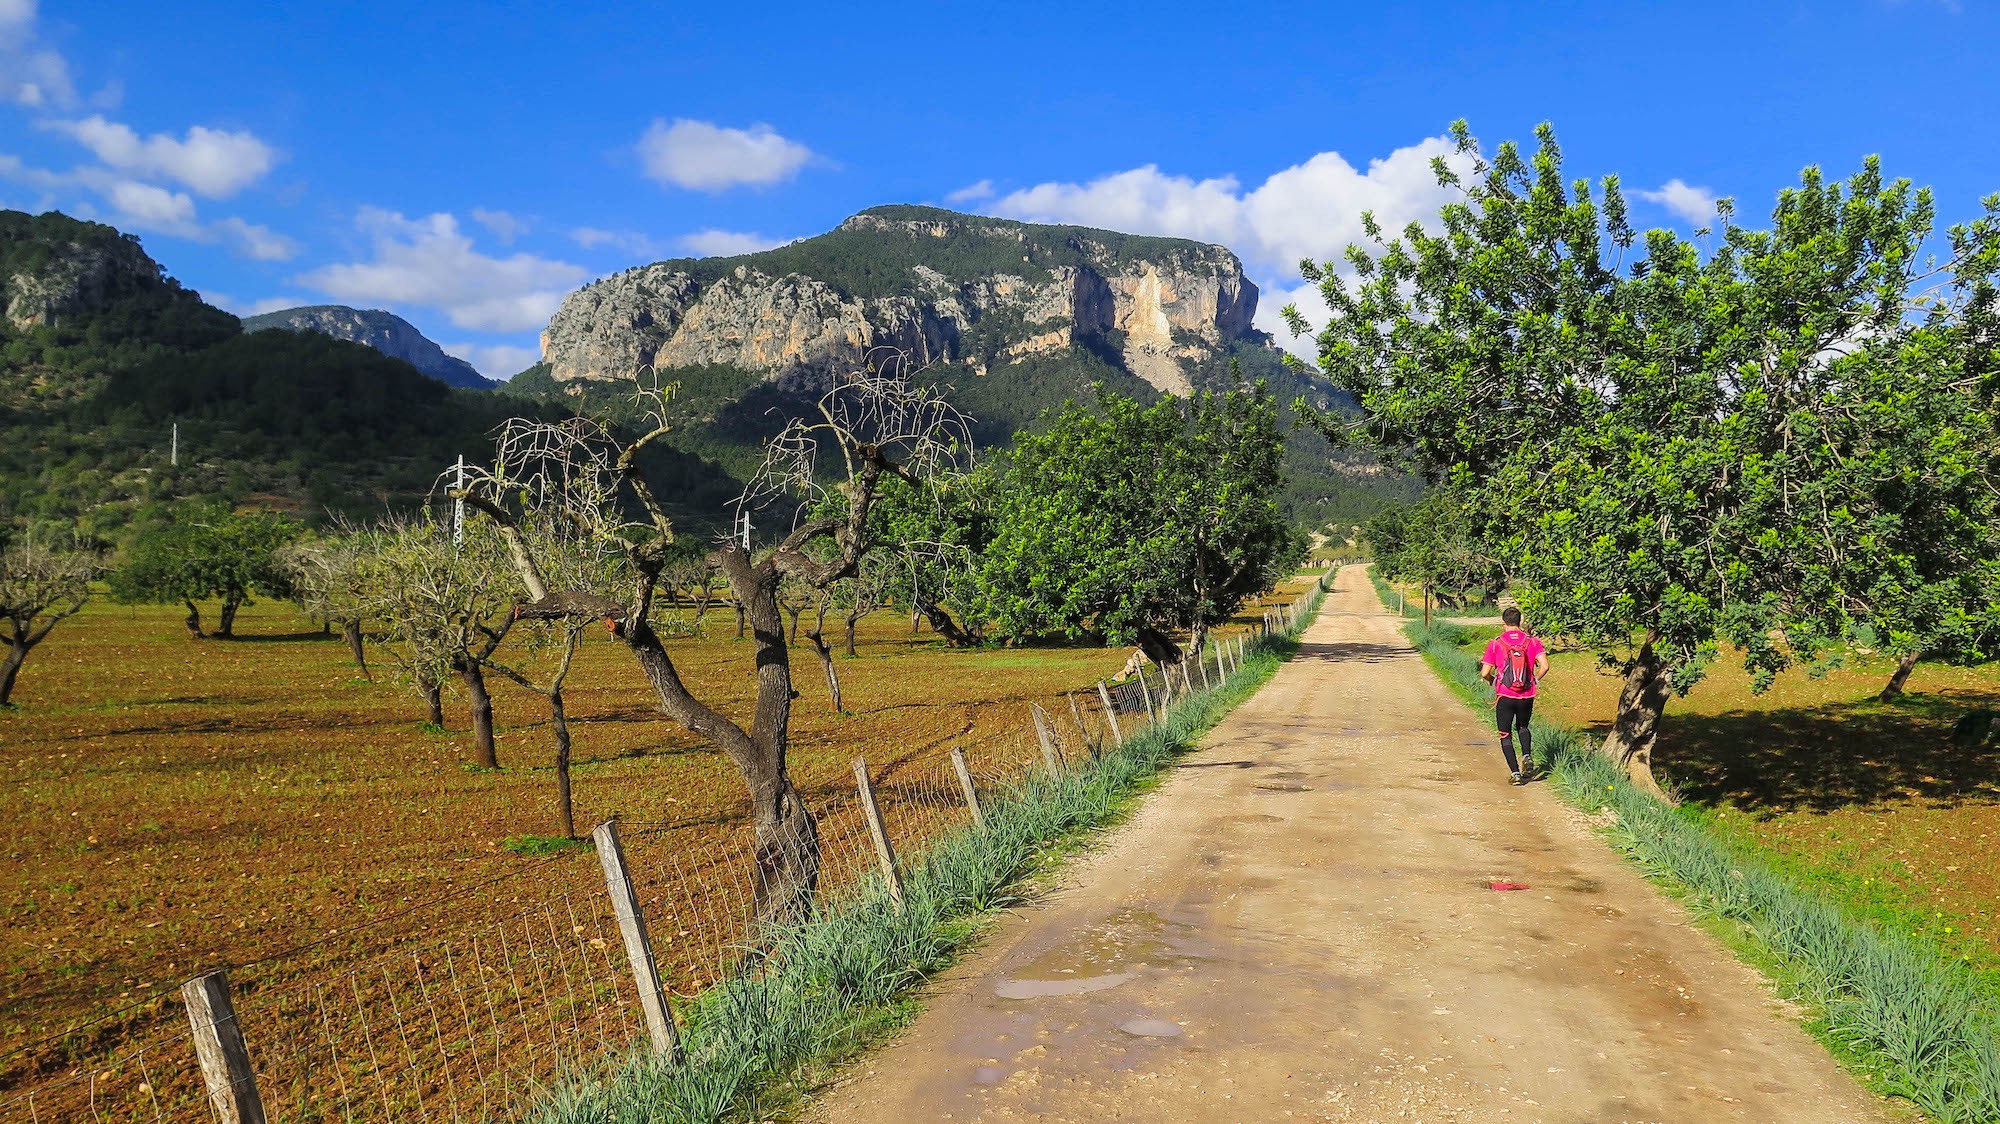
(1659, 432)
(1439, 543)
(40, 587)
(206, 553)
(1131, 522)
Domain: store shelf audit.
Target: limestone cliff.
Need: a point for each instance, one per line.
(947, 288)
(384, 331)
(55, 269)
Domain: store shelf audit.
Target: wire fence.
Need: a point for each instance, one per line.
(469, 1006)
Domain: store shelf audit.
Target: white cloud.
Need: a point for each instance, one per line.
(254, 241)
(1696, 205)
(146, 207)
(709, 157)
(629, 241)
(495, 361)
(725, 243)
(431, 263)
(502, 224)
(971, 192)
(1310, 210)
(31, 75)
(214, 162)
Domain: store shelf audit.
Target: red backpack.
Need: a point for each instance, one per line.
(1516, 672)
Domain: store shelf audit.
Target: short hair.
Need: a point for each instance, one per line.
(1512, 616)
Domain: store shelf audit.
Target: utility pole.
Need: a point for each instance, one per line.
(745, 515)
(174, 449)
(458, 506)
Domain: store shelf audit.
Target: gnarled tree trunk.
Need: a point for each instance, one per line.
(193, 620)
(481, 705)
(825, 655)
(1637, 728)
(565, 809)
(433, 699)
(225, 625)
(1893, 690)
(741, 618)
(352, 631)
(943, 624)
(1159, 647)
(10, 669)
(850, 622)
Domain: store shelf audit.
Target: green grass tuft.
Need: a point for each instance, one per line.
(538, 845)
(830, 986)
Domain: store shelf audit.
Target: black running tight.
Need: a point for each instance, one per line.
(1512, 717)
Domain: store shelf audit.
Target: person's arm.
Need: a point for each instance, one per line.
(1486, 665)
(1542, 665)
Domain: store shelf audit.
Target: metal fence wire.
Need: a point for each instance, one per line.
(465, 1008)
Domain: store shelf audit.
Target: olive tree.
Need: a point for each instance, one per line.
(41, 586)
(1658, 420)
(869, 427)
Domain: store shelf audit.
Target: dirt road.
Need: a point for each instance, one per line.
(1299, 925)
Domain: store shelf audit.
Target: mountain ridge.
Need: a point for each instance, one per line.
(380, 329)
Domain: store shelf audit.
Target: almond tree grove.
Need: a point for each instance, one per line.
(41, 586)
(1682, 443)
(871, 427)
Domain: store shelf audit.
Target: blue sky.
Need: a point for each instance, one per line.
(465, 165)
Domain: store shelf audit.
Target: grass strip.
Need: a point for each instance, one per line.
(1910, 1022)
(1414, 610)
(832, 984)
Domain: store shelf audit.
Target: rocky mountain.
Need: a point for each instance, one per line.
(975, 293)
(384, 331)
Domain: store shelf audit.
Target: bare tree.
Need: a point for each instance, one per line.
(871, 426)
(328, 576)
(40, 587)
(445, 608)
(572, 560)
(865, 592)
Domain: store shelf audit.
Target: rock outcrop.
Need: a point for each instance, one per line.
(76, 279)
(940, 286)
(384, 331)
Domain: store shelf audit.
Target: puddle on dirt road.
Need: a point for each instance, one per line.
(1269, 787)
(1150, 1028)
(1110, 954)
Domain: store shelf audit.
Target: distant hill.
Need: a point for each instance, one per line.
(384, 331)
(102, 354)
(1015, 317)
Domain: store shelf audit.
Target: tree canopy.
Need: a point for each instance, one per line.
(1134, 521)
(1678, 441)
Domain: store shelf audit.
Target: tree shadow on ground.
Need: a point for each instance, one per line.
(1832, 756)
(1349, 650)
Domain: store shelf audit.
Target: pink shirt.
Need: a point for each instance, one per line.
(1496, 658)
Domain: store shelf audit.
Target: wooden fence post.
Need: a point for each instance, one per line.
(1202, 665)
(1187, 681)
(1146, 693)
(218, 1045)
(1221, 670)
(1051, 756)
(966, 786)
(1076, 715)
(1111, 713)
(884, 852)
(638, 945)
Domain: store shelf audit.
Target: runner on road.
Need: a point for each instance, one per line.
(1515, 663)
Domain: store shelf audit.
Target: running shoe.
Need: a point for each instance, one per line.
(1518, 778)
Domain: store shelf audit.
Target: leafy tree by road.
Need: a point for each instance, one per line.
(1132, 522)
(1661, 431)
